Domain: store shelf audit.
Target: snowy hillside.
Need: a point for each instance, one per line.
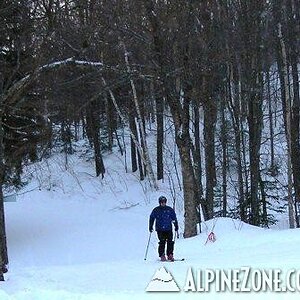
(74, 236)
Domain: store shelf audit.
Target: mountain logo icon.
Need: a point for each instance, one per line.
(162, 281)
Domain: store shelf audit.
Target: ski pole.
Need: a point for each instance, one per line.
(176, 235)
(147, 246)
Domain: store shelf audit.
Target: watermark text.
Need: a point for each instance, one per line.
(244, 279)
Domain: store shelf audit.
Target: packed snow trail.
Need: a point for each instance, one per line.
(88, 242)
(68, 249)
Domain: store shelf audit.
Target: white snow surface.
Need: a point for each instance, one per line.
(74, 236)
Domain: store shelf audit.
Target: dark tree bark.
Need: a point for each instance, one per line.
(252, 20)
(255, 128)
(210, 117)
(271, 125)
(280, 13)
(3, 246)
(264, 217)
(110, 121)
(224, 156)
(292, 24)
(160, 136)
(94, 135)
(132, 127)
(198, 162)
(234, 109)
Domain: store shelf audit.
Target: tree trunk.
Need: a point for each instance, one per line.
(160, 136)
(181, 119)
(3, 245)
(188, 179)
(147, 159)
(264, 218)
(210, 115)
(110, 122)
(94, 131)
(272, 166)
(132, 127)
(234, 109)
(285, 76)
(184, 144)
(132, 135)
(255, 127)
(198, 162)
(224, 156)
(180, 115)
(141, 165)
(295, 145)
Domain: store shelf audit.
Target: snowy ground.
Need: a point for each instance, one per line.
(79, 237)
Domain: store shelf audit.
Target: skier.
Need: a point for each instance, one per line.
(164, 216)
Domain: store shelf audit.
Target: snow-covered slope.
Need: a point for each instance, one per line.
(74, 236)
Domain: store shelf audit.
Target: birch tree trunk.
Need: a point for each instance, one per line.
(138, 146)
(132, 128)
(140, 125)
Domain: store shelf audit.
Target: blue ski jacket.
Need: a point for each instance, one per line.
(164, 216)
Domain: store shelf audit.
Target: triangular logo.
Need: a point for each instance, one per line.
(162, 281)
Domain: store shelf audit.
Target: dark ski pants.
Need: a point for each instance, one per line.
(165, 237)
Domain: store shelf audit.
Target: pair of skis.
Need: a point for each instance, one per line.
(175, 259)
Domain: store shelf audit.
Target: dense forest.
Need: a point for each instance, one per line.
(224, 72)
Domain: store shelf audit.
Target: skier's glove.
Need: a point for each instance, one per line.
(176, 228)
(150, 229)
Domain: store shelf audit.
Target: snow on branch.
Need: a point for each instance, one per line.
(16, 90)
(71, 61)
(14, 94)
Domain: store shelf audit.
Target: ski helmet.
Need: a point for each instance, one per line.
(162, 199)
